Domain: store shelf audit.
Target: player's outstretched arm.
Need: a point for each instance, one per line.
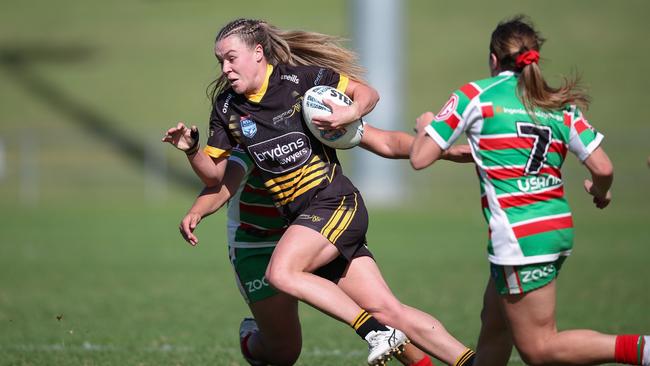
(209, 201)
(397, 145)
(424, 151)
(387, 144)
(602, 176)
(186, 139)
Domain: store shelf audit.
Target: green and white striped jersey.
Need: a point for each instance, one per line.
(518, 161)
(253, 219)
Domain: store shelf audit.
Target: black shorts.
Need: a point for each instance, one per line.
(336, 269)
(341, 219)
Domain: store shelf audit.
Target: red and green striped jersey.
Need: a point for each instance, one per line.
(253, 219)
(518, 162)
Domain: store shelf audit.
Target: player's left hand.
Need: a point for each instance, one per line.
(601, 201)
(187, 226)
(183, 138)
(341, 115)
(458, 154)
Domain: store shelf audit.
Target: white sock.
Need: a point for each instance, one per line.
(645, 361)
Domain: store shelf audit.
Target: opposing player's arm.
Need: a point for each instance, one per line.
(387, 144)
(602, 177)
(424, 151)
(210, 200)
(397, 145)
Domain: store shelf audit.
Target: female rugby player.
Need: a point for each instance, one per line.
(254, 226)
(265, 72)
(520, 129)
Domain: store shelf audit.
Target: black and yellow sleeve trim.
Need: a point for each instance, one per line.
(216, 152)
(343, 83)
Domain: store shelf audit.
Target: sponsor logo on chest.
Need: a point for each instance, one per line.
(288, 113)
(281, 154)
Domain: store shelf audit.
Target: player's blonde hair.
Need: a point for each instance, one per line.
(514, 37)
(292, 47)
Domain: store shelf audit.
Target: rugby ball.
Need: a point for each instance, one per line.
(312, 105)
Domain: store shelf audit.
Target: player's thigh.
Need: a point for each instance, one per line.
(527, 296)
(301, 249)
(331, 226)
(494, 342)
(531, 317)
(492, 317)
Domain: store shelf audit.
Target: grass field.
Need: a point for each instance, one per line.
(92, 269)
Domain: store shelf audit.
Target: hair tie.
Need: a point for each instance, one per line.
(527, 58)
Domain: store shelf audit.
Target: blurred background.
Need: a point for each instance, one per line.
(92, 268)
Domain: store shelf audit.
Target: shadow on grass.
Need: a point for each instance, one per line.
(19, 61)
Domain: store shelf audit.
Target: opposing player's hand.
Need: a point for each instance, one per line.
(182, 137)
(187, 226)
(423, 121)
(341, 115)
(458, 154)
(600, 200)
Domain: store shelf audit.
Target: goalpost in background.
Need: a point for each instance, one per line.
(377, 36)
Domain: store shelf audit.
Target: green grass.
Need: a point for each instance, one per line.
(92, 237)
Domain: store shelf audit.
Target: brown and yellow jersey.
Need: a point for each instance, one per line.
(269, 126)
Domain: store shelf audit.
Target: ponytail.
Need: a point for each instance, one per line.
(516, 45)
(536, 93)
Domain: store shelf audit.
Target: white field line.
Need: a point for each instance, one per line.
(163, 348)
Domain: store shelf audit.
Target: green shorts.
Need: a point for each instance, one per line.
(513, 280)
(250, 271)
(250, 268)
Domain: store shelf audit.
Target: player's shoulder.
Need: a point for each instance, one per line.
(475, 88)
(223, 102)
(226, 94)
(306, 75)
(286, 68)
(300, 74)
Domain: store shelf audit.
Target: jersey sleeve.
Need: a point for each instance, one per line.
(451, 121)
(583, 138)
(219, 140)
(239, 156)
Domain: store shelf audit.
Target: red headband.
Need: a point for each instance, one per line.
(527, 58)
